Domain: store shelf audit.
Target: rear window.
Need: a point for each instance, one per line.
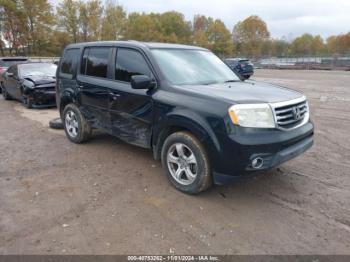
(95, 61)
(69, 61)
(10, 62)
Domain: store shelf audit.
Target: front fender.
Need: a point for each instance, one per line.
(188, 120)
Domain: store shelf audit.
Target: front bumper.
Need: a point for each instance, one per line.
(274, 147)
(42, 98)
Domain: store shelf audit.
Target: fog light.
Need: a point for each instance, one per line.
(257, 163)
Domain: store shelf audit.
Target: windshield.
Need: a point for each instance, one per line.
(38, 69)
(192, 67)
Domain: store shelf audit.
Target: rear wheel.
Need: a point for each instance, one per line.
(186, 163)
(77, 129)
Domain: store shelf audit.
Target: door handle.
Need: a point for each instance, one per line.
(114, 95)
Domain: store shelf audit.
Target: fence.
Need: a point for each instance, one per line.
(321, 63)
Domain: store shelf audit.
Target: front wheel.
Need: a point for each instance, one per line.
(77, 129)
(26, 102)
(246, 77)
(186, 163)
(5, 94)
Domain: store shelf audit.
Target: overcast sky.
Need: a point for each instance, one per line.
(289, 18)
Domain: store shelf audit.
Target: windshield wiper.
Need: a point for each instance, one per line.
(232, 80)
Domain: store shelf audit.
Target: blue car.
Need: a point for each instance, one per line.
(241, 66)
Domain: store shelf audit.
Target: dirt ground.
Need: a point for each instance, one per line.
(107, 197)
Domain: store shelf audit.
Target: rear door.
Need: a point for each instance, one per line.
(130, 109)
(66, 73)
(94, 81)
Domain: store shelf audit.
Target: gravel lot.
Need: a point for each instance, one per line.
(107, 197)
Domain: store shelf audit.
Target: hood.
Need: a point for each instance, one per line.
(41, 79)
(247, 91)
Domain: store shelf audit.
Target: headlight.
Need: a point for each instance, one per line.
(252, 115)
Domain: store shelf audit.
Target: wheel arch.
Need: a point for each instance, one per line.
(67, 97)
(184, 120)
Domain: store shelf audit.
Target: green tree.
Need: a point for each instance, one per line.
(307, 44)
(113, 22)
(249, 36)
(68, 18)
(143, 27)
(39, 20)
(14, 27)
(90, 18)
(220, 39)
(339, 44)
(212, 34)
(174, 28)
(200, 29)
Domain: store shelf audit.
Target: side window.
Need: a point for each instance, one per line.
(129, 63)
(14, 70)
(97, 61)
(11, 69)
(69, 61)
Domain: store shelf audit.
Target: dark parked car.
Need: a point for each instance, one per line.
(31, 83)
(241, 66)
(204, 123)
(5, 62)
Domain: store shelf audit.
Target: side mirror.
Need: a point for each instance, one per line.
(9, 74)
(142, 82)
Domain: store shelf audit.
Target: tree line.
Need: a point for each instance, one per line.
(35, 27)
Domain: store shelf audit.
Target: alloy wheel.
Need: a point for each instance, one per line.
(182, 164)
(71, 123)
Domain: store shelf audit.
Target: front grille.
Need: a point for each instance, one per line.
(291, 115)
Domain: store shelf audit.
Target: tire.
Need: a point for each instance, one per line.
(246, 77)
(5, 94)
(185, 174)
(56, 123)
(26, 103)
(77, 129)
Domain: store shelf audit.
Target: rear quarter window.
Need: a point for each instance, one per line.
(69, 62)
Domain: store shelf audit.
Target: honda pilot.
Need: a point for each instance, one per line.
(199, 119)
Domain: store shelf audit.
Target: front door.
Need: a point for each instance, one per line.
(12, 83)
(131, 110)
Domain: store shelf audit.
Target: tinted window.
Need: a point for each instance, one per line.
(97, 61)
(69, 61)
(130, 63)
(11, 69)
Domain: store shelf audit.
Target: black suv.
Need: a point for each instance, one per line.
(204, 123)
(241, 66)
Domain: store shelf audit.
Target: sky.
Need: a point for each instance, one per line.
(284, 18)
